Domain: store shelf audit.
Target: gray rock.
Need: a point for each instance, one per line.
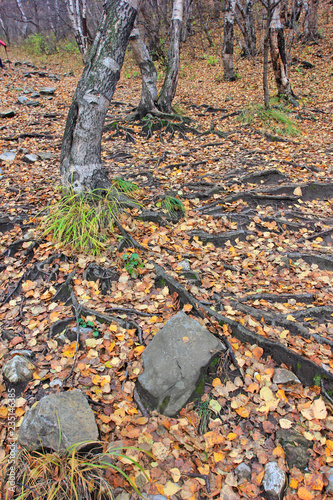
(123, 496)
(185, 265)
(8, 156)
(47, 90)
(58, 421)
(30, 158)
(329, 487)
(1, 171)
(45, 155)
(22, 99)
(34, 95)
(174, 362)
(274, 481)
(296, 448)
(283, 376)
(243, 471)
(18, 369)
(7, 113)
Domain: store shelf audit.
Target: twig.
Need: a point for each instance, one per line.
(200, 476)
(138, 401)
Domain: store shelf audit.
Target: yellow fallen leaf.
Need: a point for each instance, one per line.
(69, 350)
(285, 423)
(242, 412)
(185, 340)
(170, 489)
(304, 494)
(298, 191)
(231, 436)
(175, 473)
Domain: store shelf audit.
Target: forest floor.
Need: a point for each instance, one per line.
(257, 234)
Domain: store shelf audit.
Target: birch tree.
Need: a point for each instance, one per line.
(80, 160)
(77, 13)
(246, 25)
(24, 18)
(148, 76)
(228, 41)
(311, 20)
(169, 87)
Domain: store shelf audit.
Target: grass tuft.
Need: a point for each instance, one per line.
(82, 221)
(275, 119)
(173, 206)
(68, 475)
(125, 186)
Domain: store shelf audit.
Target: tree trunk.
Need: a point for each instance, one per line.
(168, 91)
(24, 18)
(278, 54)
(228, 41)
(311, 20)
(148, 75)
(217, 10)
(80, 160)
(247, 27)
(266, 50)
(77, 15)
(296, 13)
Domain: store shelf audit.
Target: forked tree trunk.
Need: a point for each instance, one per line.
(228, 41)
(148, 75)
(80, 160)
(278, 54)
(169, 87)
(311, 20)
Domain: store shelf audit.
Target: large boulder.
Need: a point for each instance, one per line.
(58, 421)
(174, 363)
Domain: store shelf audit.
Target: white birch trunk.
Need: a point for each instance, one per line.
(228, 41)
(278, 54)
(148, 75)
(169, 87)
(24, 18)
(80, 160)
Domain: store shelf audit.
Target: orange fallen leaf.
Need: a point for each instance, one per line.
(69, 350)
(304, 494)
(242, 412)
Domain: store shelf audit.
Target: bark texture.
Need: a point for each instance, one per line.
(278, 54)
(311, 20)
(168, 90)
(247, 27)
(228, 41)
(80, 160)
(148, 75)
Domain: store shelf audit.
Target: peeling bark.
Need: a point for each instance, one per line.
(80, 161)
(247, 28)
(228, 41)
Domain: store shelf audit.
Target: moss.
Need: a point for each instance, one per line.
(164, 404)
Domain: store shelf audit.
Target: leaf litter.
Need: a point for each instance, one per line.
(269, 275)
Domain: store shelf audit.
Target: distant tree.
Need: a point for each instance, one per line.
(245, 21)
(77, 12)
(228, 41)
(311, 20)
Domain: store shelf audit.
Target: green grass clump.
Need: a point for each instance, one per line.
(275, 119)
(125, 186)
(82, 221)
(173, 206)
(69, 475)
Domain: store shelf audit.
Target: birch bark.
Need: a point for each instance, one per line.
(228, 41)
(80, 160)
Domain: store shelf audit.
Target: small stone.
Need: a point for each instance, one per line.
(1, 172)
(33, 103)
(274, 481)
(123, 496)
(185, 265)
(47, 90)
(30, 158)
(329, 488)
(34, 95)
(58, 421)
(283, 376)
(17, 63)
(45, 155)
(243, 471)
(8, 156)
(22, 99)
(18, 369)
(7, 113)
